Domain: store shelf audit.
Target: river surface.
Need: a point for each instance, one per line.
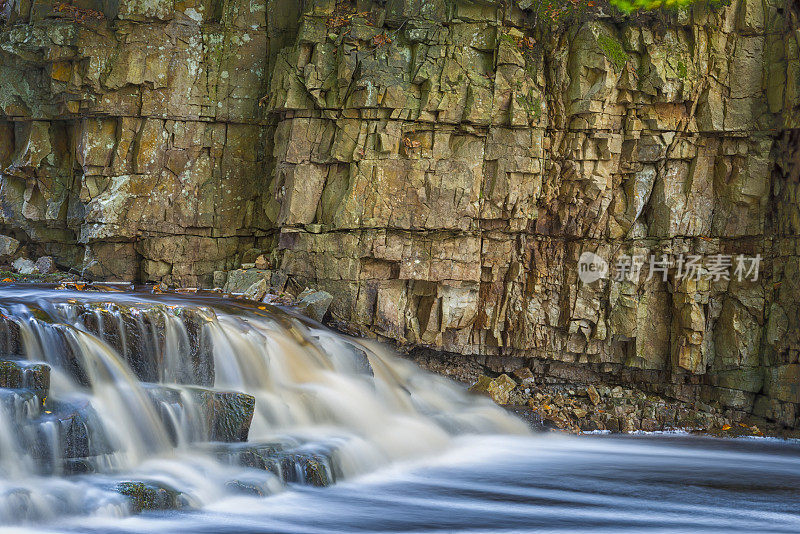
(349, 438)
(548, 483)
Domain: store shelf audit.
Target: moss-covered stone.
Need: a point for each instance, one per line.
(306, 468)
(228, 414)
(613, 50)
(148, 496)
(290, 461)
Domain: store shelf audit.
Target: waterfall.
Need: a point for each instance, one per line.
(114, 403)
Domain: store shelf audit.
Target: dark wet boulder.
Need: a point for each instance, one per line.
(79, 466)
(346, 355)
(263, 456)
(246, 487)
(228, 413)
(133, 333)
(359, 359)
(306, 468)
(62, 351)
(70, 430)
(21, 404)
(55, 341)
(289, 459)
(10, 337)
(221, 415)
(317, 472)
(143, 496)
(144, 337)
(90, 464)
(21, 374)
(313, 304)
(201, 354)
(139, 334)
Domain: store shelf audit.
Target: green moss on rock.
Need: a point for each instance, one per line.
(682, 70)
(149, 496)
(613, 50)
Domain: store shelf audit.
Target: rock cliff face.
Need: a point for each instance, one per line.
(439, 166)
(126, 124)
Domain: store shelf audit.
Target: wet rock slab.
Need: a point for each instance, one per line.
(21, 374)
(224, 415)
(140, 336)
(290, 461)
(70, 430)
(149, 496)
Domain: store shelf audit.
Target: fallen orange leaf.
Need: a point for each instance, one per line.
(726, 427)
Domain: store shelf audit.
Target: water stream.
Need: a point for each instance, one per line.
(131, 412)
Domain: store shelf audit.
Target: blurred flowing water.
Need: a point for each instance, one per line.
(132, 412)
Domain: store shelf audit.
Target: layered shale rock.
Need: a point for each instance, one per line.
(439, 167)
(131, 144)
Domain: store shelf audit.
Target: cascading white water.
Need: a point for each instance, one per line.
(118, 402)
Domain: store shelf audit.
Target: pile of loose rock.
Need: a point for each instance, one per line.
(16, 265)
(256, 281)
(580, 408)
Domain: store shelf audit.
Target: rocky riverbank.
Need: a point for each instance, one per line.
(576, 407)
(16, 265)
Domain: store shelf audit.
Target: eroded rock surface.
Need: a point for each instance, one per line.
(131, 142)
(438, 167)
